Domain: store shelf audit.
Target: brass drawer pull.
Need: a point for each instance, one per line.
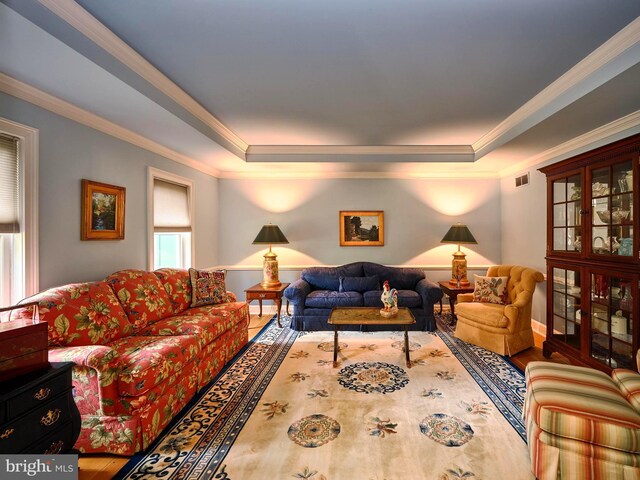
(7, 433)
(55, 448)
(42, 393)
(51, 417)
(262, 295)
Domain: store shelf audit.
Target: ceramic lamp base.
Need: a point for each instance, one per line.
(270, 271)
(459, 270)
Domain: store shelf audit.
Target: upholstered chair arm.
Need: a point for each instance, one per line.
(231, 297)
(523, 299)
(94, 376)
(429, 291)
(297, 292)
(465, 297)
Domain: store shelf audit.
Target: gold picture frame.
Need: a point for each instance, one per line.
(103, 208)
(361, 228)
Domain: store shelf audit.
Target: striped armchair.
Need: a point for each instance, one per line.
(581, 423)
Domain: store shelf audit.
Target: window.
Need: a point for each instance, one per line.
(172, 225)
(18, 212)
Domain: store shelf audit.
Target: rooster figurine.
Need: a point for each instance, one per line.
(389, 299)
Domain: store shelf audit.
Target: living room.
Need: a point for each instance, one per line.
(75, 86)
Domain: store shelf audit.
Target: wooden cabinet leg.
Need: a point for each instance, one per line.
(546, 349)
(260, 302)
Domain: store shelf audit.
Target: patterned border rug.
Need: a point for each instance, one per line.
(281, 410)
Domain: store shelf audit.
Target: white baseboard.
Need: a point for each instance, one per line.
(539, 328)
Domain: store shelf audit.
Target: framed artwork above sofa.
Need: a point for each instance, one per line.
(361, 228)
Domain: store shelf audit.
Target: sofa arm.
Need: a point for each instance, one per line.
(465, 298)
(94, 376)
(231, 297)
(297, 292)
(429, 291)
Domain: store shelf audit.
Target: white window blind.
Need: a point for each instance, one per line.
(9, 201)
(170, 207)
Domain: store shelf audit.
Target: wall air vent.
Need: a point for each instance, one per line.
(522, 180)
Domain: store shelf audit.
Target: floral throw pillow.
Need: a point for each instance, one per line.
(208, 288)
(490, 289)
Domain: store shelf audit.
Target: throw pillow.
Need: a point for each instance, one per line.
(319, 281)
(208, 288)
(359, 284)
(490, 289)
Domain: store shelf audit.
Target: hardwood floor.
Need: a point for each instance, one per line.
(104, 467)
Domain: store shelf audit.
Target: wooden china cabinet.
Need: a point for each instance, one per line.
(593, 261)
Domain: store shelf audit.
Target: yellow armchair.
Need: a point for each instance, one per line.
(504, 329)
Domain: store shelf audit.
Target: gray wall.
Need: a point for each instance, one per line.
(417, 215)
(70, 152)
(524, 230)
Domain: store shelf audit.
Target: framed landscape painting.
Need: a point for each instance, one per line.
(364, 228)
(102, 211)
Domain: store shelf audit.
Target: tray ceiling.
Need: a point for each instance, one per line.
(334, 82)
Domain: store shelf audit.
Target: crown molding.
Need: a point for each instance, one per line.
(336, 175)
(61, 107)
(94, 30)
(560, 93)
(623, 127)
(360, 153)
(360, 150)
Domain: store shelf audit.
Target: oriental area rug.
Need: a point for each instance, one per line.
(281, 410)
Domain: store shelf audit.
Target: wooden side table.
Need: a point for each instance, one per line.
(452, 292)
(260, 293)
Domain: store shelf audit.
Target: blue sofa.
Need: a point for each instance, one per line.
(356, 285)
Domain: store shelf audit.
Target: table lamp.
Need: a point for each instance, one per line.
(269, 235)
(459, 234)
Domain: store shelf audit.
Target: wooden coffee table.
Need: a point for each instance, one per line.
(369, 316)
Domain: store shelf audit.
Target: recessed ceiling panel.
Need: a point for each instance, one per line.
(290, 72)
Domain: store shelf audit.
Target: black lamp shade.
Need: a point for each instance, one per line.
(270, 235)
(459, 234)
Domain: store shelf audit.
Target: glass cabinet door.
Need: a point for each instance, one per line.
(567, 317)
(612, 210)
(566, 219)
(612, 320)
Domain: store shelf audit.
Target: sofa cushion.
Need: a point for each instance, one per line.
(233, 313)
(330, 299)
(359, 284)
(207, 287)
(207, 329)
(406, 298)
(177, 284)
(581, 404)
(489, 314)
(82, 314)
(322, 281)
(399, 278)
(146, 362)
(142, 296)
(628, 382)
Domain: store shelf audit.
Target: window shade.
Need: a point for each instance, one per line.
(170, 207)
(9, 201)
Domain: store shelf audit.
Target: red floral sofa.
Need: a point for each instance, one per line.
(141, 352)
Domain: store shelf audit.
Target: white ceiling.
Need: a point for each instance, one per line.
(450, 79)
